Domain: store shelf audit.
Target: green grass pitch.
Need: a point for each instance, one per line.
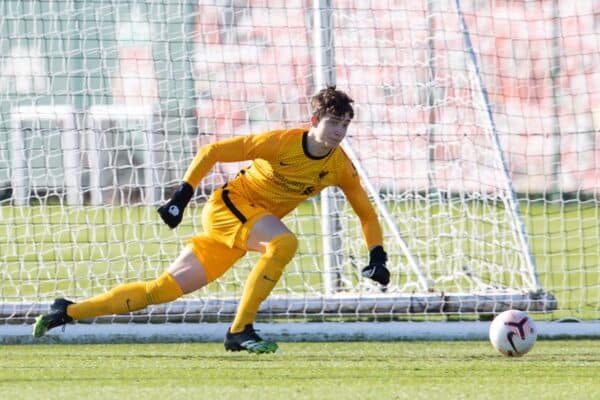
(355, 370)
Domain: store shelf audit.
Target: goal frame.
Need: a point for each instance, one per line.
(333, 303)
(325, 67)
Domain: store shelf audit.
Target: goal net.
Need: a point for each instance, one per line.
(474, 135)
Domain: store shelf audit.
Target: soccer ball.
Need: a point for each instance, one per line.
(513, 333)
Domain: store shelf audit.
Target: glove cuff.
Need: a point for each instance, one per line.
(184, 193)
(377, 255)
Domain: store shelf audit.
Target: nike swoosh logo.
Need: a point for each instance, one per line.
(284, 164)
(268, 279)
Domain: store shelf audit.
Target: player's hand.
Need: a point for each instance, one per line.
(376, 270)
(172, 211)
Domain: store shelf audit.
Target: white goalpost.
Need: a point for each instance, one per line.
(484, 175)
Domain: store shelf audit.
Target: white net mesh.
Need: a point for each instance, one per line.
(146, 84)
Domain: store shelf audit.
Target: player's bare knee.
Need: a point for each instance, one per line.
(283, 247)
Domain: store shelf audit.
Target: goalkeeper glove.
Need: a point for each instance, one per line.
(172, 211)
(376, 270)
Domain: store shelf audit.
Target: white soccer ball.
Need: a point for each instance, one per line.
(513, 333)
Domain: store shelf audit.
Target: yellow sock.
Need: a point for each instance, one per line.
(127, 298)
(263, 278)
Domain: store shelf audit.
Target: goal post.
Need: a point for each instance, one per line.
(456, 136)
(331, 228)
(511, 198)
(531, 289)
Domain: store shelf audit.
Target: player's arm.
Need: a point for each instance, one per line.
(359, 200)
(235, 149)
(229, 150)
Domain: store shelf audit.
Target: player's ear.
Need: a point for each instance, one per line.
(314, 121)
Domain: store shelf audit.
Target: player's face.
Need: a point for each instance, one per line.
(331, 129)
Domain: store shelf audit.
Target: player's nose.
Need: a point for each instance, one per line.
(339, 131)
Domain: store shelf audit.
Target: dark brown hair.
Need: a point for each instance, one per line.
(331, 101)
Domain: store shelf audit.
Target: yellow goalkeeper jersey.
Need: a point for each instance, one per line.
(283, 174)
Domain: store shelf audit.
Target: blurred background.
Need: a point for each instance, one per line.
(177, 74)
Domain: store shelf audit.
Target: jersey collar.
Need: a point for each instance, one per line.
(305, 148)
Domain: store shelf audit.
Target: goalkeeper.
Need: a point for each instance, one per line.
(288, 166)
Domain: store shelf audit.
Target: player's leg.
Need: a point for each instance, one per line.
(184, 275)
(235, 222)
(278, 245)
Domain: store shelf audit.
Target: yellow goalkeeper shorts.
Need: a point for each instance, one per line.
(227, 220)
